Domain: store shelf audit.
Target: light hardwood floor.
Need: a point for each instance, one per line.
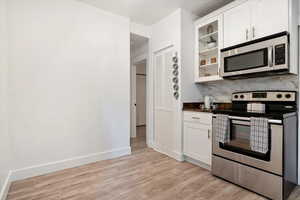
(139, 142)
(144, 175)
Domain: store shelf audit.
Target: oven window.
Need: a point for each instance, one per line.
(240, 140)
(249, 60)
(240, 136)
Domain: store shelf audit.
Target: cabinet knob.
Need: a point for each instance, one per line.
(208, 134)
(195, 118)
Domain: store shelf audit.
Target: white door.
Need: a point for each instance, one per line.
(197, 142)
(269, 17)
(133, 101)
(164, 102)
(237, 25)
(140, 99)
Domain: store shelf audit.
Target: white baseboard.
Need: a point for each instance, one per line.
(42, 169)
(173, 154)
(5, 188)
(198, 163)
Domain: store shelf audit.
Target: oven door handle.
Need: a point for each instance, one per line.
(273, 121)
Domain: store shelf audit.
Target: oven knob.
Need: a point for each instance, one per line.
(279, 96)
(288, 96)
(236, 96)
(242, 96)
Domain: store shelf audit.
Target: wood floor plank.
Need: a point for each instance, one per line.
(144, 175)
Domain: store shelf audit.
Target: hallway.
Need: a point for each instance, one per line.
(139, 142)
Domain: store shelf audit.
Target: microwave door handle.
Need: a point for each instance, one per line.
(270, 56)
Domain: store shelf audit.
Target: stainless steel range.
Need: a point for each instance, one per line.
(273, 173)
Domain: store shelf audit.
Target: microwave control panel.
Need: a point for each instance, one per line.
(280, 54)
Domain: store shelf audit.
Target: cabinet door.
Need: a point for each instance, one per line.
(269, 17)
(237, 23)
(197, 142)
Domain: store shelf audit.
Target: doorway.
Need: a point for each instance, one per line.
(139, 62)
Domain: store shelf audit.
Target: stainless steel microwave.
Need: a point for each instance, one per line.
(268, 55)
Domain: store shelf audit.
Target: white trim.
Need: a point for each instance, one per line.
(42, 169)
(5, 187)
(298, 116)
(196, 162)
(150, 98)
(167, 45)
(173, 154)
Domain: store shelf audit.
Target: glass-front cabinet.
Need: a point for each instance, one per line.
(208, 45)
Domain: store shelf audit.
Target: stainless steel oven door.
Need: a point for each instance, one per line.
(258, 57)
(238, 149)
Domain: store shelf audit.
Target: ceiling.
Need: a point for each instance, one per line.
(148, 12)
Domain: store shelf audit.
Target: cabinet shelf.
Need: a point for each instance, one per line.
(209, 71)
(209, 65)
(209, 51)
(207, 37)
(204, 79)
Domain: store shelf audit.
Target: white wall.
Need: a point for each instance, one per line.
(5, 143)
(69, 81)
(177, 30)
(190, 91)
(165, 33)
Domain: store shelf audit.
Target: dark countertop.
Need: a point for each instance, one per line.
(197, 106)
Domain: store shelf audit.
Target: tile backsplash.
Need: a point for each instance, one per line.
(221, 91)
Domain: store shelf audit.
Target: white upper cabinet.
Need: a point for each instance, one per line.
(255, 19)
(209, 41)
(269, 17)
(237, 24)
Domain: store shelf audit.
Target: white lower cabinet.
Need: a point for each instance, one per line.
(197, 137)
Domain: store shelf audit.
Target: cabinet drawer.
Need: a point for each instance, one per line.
(197, 117)
(257, 180)
(225, 169)
(248, 177)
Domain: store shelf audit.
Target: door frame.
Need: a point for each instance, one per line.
(144, 77)
(135, 61)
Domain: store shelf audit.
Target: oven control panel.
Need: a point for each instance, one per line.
(289, 96)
